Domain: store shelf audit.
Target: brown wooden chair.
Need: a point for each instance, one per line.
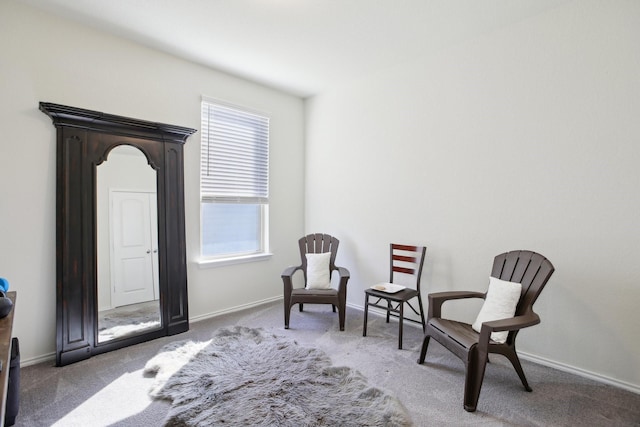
(316, 244)
(528, 268)
(404, 260)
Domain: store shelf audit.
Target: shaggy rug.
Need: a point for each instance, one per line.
(247, 377)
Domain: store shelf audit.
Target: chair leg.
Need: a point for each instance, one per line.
(300, 307)
(388, 310)
(474, 375)
(366, 312)
(400, 319)
(341, 315)
(287, 309)
(287, 315)
(334, 307)
(515, 361)
(423, 351)
(424, 324)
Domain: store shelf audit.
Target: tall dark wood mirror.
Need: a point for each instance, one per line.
(121, 275)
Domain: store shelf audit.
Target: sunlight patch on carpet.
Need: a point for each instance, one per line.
(121, 399)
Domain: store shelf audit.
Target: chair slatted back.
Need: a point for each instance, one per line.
(407, 259)
(529, 268)
(318, 243)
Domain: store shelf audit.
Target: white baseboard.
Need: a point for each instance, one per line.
(234, 309)
(580, 372)
(38, 359)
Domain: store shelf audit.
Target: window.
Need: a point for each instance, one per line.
(234, 181)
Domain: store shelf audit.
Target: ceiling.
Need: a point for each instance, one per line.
(303, 47)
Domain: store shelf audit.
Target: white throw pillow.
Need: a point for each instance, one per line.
(318, 274)
(500, 303)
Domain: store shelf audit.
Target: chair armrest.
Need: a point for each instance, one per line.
(513, 323)
(344, 278)
(288, 272)
(436, 300)
(287, 276)
(510, 324)
(343, 272)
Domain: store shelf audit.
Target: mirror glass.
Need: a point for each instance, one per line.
(128, 295)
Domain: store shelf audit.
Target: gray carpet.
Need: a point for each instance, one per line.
(110, 389)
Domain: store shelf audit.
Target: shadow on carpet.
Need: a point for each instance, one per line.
(247, 377)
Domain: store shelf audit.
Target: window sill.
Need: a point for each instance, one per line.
(221, 262)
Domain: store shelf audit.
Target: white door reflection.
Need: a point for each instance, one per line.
(127, 240)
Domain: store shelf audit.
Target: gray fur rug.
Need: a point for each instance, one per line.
(247, 377)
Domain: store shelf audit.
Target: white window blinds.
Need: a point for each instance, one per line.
(235, 155)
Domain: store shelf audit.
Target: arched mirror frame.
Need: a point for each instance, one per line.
(84, 140)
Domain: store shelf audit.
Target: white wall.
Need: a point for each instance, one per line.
(525, 138)
(45, 58)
